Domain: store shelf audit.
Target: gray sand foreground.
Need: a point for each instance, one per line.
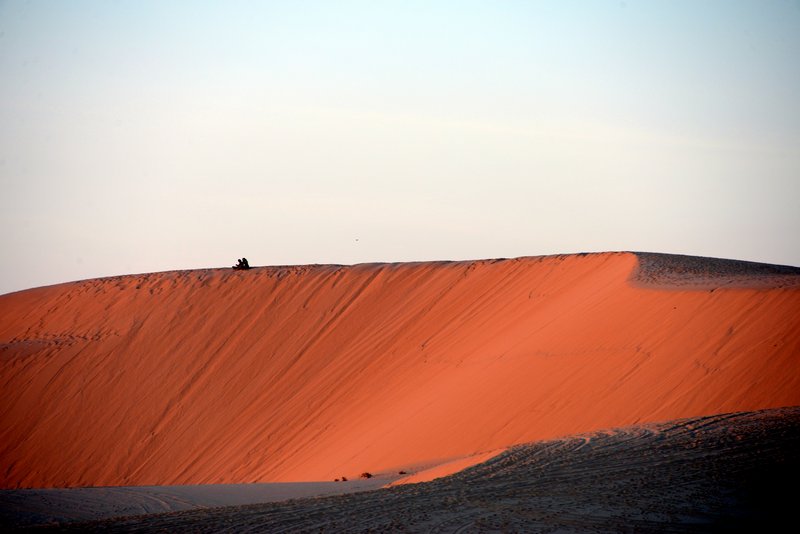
(706, 474)
(31, 507)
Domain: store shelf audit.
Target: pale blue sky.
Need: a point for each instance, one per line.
(145, 136)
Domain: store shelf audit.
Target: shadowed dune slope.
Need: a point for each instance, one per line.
(720, 473)
(313, 372)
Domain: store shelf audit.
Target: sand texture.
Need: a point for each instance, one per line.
(25, 508)
(719, 473)
(674, 270)
(289, 374)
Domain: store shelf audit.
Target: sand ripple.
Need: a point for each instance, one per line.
(711, 473)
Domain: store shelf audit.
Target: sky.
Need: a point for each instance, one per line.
(142, 136)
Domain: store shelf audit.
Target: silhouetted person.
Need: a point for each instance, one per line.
(242, 264)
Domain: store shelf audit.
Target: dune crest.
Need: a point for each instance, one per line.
(313, 372)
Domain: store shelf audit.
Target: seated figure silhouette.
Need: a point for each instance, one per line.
(242, 264)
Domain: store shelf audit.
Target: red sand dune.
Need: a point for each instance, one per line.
(310, 373)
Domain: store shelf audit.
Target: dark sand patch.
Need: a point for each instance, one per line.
(665, 271)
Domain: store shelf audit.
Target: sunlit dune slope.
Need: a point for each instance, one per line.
(310, 373)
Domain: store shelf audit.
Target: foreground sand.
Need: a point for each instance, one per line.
(310, 373)
(25, 508)
(707, 474)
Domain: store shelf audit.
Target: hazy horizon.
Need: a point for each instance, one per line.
(150, 136)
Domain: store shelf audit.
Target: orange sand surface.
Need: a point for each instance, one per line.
(446, 468)
(314, 372)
